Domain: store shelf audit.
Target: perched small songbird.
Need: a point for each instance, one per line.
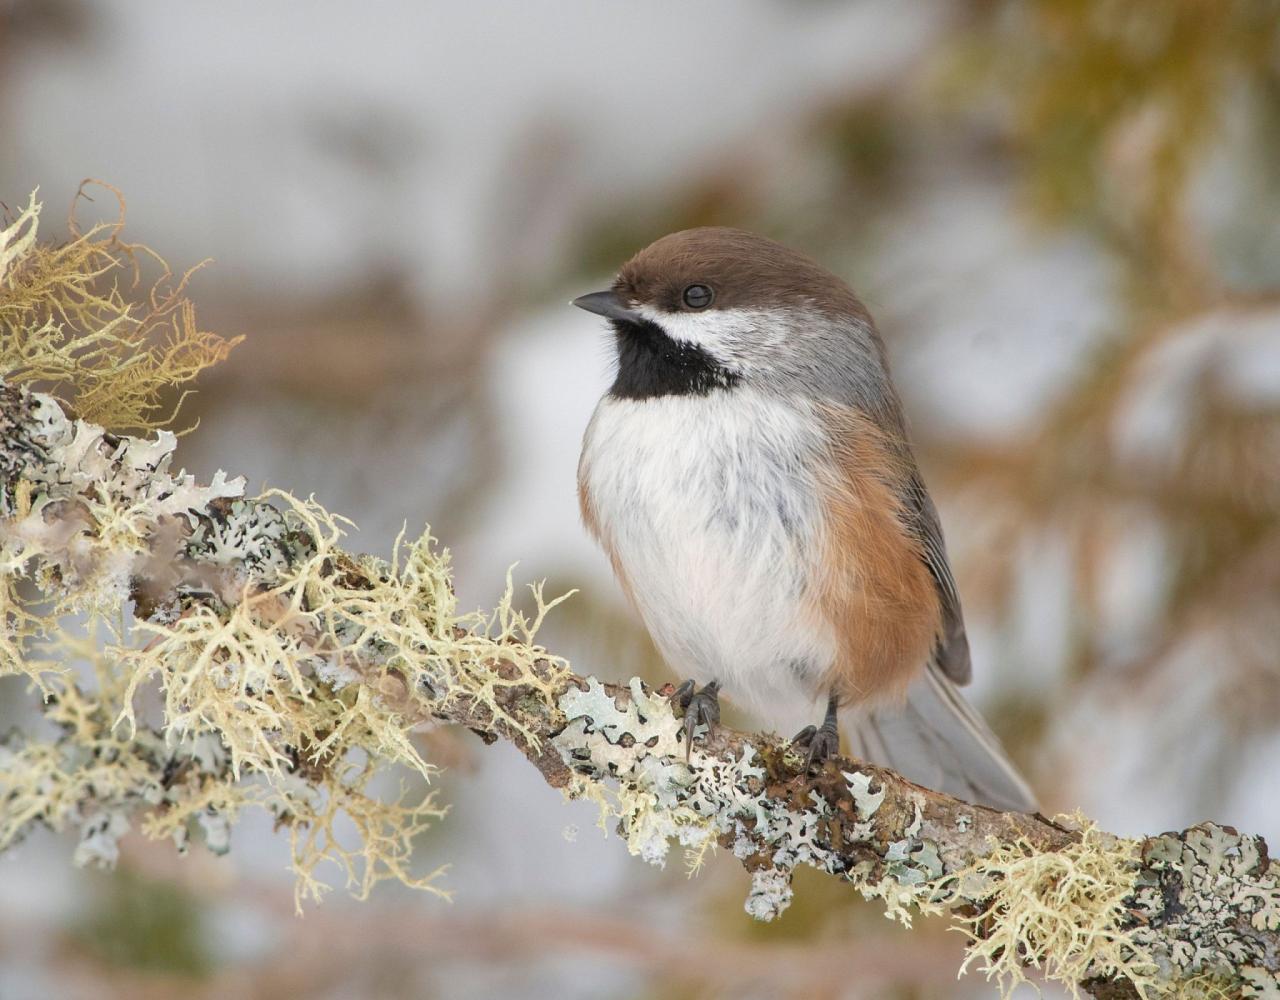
(749, 475)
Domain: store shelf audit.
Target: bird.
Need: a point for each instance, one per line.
(750, 477)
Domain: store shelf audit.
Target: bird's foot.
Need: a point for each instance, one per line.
(699, 708)
(822, 742)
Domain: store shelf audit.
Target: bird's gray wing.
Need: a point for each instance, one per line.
(936, 739)
(952, 653)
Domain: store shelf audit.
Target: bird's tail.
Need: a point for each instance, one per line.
(936, 739)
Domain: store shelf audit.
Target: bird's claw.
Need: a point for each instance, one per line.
(822, 742)
(699, 708)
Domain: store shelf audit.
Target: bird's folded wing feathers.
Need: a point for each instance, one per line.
(936, 739)
(953, 647)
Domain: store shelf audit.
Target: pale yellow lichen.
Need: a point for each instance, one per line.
(1061, 912)
(251, 675)
(269, 668)
(67, 324)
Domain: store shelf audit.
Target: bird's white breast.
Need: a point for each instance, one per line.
(709, 506)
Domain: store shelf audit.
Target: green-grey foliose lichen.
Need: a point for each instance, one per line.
(1086, 909)
(1208, 902)
(660, 798)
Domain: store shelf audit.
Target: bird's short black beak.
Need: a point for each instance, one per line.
(606, 304)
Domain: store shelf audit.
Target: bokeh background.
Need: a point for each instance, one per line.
(1065, 215)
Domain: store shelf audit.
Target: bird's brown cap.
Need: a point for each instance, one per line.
(743, 270)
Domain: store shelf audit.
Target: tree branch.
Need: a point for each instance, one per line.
(290, 652)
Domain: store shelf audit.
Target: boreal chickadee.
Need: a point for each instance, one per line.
(749, 475)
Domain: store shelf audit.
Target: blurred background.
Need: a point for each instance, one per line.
(1065, 216)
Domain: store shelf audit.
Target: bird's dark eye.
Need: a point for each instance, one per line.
(698, 296)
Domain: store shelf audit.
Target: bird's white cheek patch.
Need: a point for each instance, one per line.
(729, 335)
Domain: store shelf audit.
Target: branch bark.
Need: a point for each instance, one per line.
(1198, 907)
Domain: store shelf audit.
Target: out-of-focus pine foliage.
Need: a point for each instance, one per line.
(1112, 114)
(1111, 105)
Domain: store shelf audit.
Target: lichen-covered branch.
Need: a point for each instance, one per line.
(245, 659)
